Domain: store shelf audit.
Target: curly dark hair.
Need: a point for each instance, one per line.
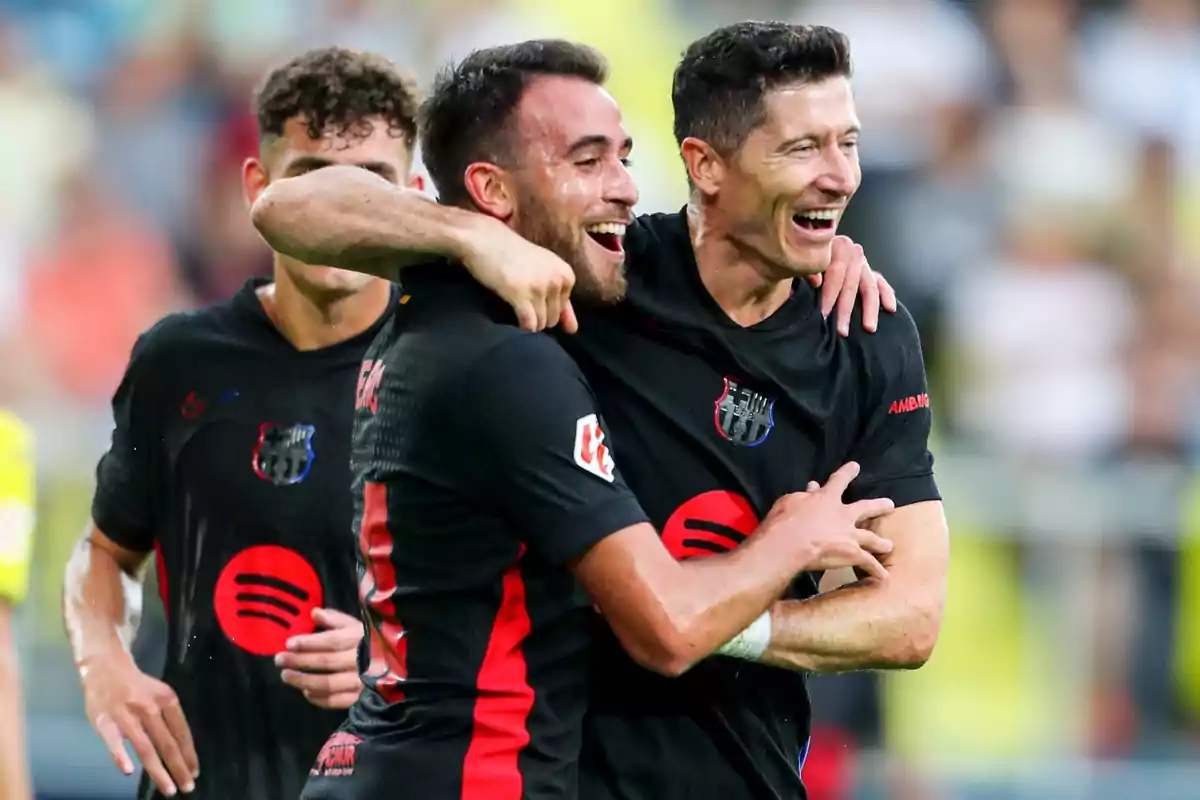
(337, 91)
(466, 116)
(719, 86)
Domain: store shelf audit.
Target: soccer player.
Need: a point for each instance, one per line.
(485, 486)
(720, 382)
(16, 540)
(230, 461)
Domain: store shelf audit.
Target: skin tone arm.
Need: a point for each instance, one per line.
(891, 623)
(14, 772)
(348, 217)
(668, 615)
(122, 702)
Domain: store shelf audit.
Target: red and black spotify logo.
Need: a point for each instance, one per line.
(709, 524)
(266, 595)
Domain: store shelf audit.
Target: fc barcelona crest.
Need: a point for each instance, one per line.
(284, 453)
(742, 415)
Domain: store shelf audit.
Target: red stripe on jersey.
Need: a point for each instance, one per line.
(505, 698)
(160, 568)
(388, 665)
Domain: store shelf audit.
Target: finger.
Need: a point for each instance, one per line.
(840, 481)
(848, 295)
(553, 309)
(322, 683)
(332, 618)
(169, 752)
(327, 641)
(870, 565)
(569, 323)
(834, 278)
(146, 753)
(338, 702)
(526, 317)
(340, 661)
(870, 299)
(177, 724)
(813, 486)
(873, 543)
(815, 280)
(887, 295)
(110, 734)
(870, 509)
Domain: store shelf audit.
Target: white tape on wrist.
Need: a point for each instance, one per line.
(750, 644)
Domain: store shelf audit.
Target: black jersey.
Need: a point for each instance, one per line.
(230, 458)
(715, 422)
(480, 470)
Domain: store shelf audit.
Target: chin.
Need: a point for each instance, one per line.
(803, 262)
(333, 280)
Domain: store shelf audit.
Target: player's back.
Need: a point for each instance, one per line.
(231, 461)
(479, 643)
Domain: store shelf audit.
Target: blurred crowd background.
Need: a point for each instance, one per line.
(1031, 187)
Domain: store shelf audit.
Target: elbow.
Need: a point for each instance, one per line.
(919, 638)
(266, 213)
(668, 651)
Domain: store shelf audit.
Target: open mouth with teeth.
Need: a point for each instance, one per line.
(608, 235)
(816, 220)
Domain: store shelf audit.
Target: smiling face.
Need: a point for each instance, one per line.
(573, 190)
(783, 192)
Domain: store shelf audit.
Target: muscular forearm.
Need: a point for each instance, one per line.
(347, 217)
(14, 773)
(100, 600)
(869, 624)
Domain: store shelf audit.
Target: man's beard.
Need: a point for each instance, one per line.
(539, 224)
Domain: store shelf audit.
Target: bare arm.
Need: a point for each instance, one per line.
(101, 596)
(347, 217)
(351, 218)
(14, 772)
(668, 615)
(873, 624)
(100, 590)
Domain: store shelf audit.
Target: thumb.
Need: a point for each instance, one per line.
(332, 618)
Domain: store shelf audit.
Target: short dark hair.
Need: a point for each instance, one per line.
(338, 91)
(467, 116)
(719, 86)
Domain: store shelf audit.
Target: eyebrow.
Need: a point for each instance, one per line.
(853, 130)
(597, 140)
(309, 163)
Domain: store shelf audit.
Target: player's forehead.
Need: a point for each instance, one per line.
(818, 109)
(557, 111)
(366, 141)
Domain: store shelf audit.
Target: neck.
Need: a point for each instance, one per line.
(314, 321)
(745, 286)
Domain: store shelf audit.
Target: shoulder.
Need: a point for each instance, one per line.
(176, 335)
(657, 235)
(895, 343)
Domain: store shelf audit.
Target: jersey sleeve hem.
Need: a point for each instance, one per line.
(109, 522)
(586, 527)
(905, 491)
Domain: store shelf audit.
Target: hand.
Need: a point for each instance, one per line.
(123, 703)
(531, 279)
(849, 275)
(324, 665)
(830, 528)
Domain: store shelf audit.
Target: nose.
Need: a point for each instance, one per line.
(841, 174)
(621, 188)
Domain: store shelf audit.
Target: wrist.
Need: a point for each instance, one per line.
(751, 643)
(472, 235)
